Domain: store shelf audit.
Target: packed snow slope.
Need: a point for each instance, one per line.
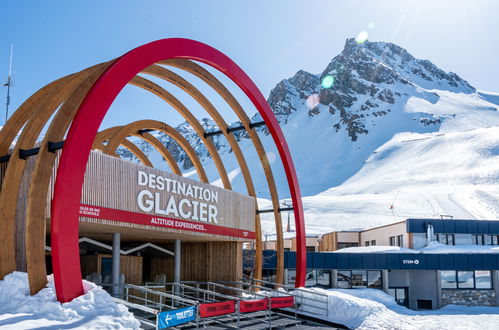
(374, 309)
(93, 310)
(392, 137)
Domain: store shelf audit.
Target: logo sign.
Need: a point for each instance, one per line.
(253, 305)
(282, 302)
(175, 317)
(410, 262)
(215, 309)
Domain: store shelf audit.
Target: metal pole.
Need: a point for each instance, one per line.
(116, 264)
(177, 257)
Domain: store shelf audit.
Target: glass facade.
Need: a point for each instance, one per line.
(466, 279)
(360, 279)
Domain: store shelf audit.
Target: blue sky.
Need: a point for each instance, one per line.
(270, 40)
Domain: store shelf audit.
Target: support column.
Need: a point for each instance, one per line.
(177, 258)
(334, 278)
(438, 278)
(116, 264)
(384, 278)
(495, 283)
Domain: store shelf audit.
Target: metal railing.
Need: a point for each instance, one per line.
(307, 301)
(214, 292)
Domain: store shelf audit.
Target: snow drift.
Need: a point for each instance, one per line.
(93, 310)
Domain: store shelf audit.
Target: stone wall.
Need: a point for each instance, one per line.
(469, 297)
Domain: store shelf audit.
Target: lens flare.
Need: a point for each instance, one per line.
(312, 101)
(362, 37)
(371, 25)
(271, 157)
(327, 81)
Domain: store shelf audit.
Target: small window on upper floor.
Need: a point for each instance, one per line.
(367, 243)
(400, 240)
(392, 241)
(373, 242)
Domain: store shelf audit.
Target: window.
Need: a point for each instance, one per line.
(311, 278)
(367, 243)
(344, 279)
(466, 279)
(373, 242)
(477, 239)
(400, 240)
(310, 248)
(392, 240)
(374, 279)
(343, 245)
(483, 279)
(495, 239)
(448, 279)
(360, 279)
(445, 238)
(324, 278)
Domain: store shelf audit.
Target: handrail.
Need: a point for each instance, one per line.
(164, 294)
(227, 287)
(136, 306)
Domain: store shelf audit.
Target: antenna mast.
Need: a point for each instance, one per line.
(8, 84)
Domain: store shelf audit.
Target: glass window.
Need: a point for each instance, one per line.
(450, 239)
(495, 239)
(373, 242)
(400, 240)
(483, 279)
(342, 245)
(324, 278)
(478, 239)
(448, 278)
(359, 279)
(392, 240)
(310, 278)
(344, 277)
(487, 240)
(465, 280)
(291, 276)
(367, 243)
(374, 279)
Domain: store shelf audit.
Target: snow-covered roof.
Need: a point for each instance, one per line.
(432, 248)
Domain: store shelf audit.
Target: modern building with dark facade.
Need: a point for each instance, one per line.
(430, 275)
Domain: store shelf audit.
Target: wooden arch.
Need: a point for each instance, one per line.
(79, 102)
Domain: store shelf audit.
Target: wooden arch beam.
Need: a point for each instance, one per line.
(132, 128)
(31, 117)
(189, 117)
(214, 83)
(106, 135)
(40, 181)
(171, 77)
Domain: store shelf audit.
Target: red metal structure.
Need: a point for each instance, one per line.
(70, 174)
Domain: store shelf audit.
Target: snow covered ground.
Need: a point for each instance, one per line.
(374, 309)
(94, 310)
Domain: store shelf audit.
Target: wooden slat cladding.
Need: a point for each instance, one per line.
(111, 182)
(203, 261)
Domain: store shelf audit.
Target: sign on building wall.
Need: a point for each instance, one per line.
(118, 190)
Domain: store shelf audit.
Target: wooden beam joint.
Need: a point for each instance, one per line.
(281, 209)
(234, 129)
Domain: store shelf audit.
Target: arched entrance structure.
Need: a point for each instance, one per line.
(73, 108)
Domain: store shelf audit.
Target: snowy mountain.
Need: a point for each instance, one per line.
(377, 137)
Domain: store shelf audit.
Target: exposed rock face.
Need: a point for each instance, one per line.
(371, 80)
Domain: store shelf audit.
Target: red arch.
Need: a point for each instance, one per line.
(72, 165)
